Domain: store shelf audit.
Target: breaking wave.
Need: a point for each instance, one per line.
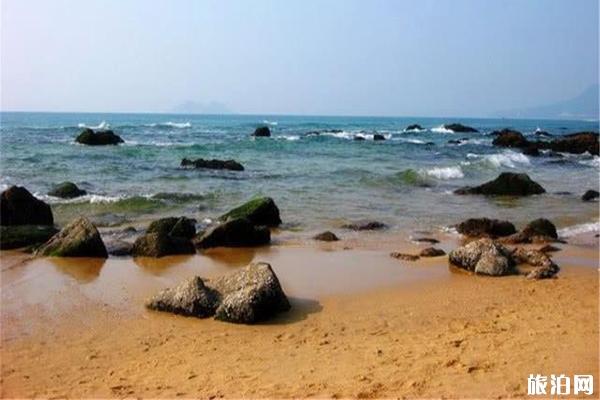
(101, 125)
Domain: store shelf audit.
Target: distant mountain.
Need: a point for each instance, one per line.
(584, 106)
(194, 107)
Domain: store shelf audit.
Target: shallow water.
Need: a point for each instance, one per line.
(318, 181)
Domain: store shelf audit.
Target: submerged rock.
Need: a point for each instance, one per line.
(250, 295)
(590, 195)
(365, 226)
(404, 256)
(506, 184)
(16, 236)
(66, 190)
(459, 128)
(432, 252)
(160, 244)
(100, 138)
(509, 138)
(485, 227)
(326, 236)
(237, 232)
(231, 165)
(414, 127)
(262, 131)
(259, 211)
(19, 207)
(483, 256)
(174, 226)
(80, 238)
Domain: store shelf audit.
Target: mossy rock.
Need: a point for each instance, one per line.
(174, 226)
(66, 190)
(80, 238)
(17, 236)
(159, 244)
(259, 211)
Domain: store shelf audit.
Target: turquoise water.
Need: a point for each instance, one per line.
(319, 182)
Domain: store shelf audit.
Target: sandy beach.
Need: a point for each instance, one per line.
(362, 325)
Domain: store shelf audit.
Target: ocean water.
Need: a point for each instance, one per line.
(318, 181)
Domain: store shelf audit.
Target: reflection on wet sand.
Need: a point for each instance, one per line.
(84, 270)
(230, 257)
(159, 266)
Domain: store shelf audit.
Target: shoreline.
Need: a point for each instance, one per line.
(415, 328)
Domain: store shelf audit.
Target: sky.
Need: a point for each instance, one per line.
(313, 57)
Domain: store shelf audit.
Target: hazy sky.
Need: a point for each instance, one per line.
(419, 58)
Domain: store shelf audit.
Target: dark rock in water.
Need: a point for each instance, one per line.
(378, 136)
(359, 138)
(542, 133)
(79, 238)
(478, 227)
(506, 184)
(262, 131)
(191, 297)
(563, 193)
(231, 165)
(576, 143)
(159, 245)
(590, 195)
(119, 248)
(404, 256)
(414, 127)
(549, 249)
(429, 144)
(483, 256)
(539, 230)
(250, 295)
(531, 151)
(174, 226)
(432, 252)
(66, 190)
(312, 133)
(459, 128)
(509, 138)
(365, 226)
(326, 236)
(259, 211)
(238, 232)
(100, 138)
(426, 240)
(454, 141)
(16, 236)
(19, 207)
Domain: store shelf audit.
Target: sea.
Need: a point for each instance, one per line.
(318, 174)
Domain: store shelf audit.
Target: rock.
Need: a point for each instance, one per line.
(238, 232)
(509, 138)
(549, 249)
(432, 252)
(365, 226)
(404, 256)
(506, 184)
(91, 138)
(158, 244)
(16, 236)
(230, 165)
(19, 207)
(79, 238)
(259, 211)
(483, 256)
(191, 297)
(542, 133)
(459, 128)
(485, 227)
(378, 136)
(537, 231)
(546, 268)
(454, 141)
(359, 138)
(174, 226)
(590, 195)
(426, 240)
(576, 143)
(531, 151)
(66, 190)
(250, 295)
(262, 131)
(326, 236)
(119, 248)
(414, 127)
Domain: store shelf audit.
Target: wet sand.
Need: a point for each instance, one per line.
(362, 325)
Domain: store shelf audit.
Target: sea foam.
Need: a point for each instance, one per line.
(445, 173)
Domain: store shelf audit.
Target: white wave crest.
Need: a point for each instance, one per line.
(441, 129)
(101, 125)
(445, 173)
(593, 162)
(579, 229)
(290, 138)
(272, 123)
(508, 159)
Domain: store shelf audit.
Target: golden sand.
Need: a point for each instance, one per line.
(362, 325)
